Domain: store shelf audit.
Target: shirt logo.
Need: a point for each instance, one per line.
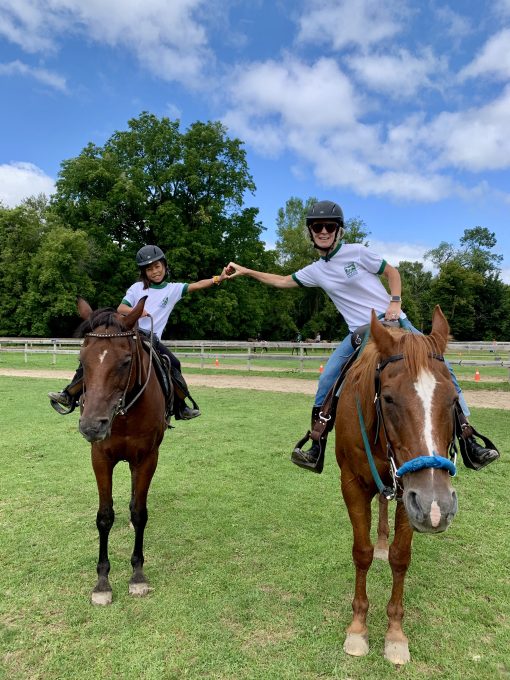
(164, 302)
(350, 270)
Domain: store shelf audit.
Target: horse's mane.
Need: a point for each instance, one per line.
(416, 350)
(107, 317)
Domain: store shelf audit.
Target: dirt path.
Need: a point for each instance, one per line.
(476, 398)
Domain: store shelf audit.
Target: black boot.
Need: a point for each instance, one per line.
(181, 392)
(66, 401)
(474, 455)
(313, 458)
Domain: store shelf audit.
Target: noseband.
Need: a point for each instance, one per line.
(413, 465)
(120, 407)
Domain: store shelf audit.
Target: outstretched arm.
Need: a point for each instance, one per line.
(275, 280)
(207, 283)
(393, 276)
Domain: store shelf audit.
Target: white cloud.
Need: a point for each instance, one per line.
(343, 23)
(18, 68)
(21, 180)
(398, 75)
(476, 139)
(493, 59)
(164, 36)
(394, 253)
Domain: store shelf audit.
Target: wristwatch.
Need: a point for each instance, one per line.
(396, 298)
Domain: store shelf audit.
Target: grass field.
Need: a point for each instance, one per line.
(249, 557)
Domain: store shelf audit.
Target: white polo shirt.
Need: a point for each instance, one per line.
(162, 298)
(350, 278)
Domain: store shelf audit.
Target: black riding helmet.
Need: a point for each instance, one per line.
(326, 211)
(149, 254)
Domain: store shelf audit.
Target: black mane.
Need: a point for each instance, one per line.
(107, 317)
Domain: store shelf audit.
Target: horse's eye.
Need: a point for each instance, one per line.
(388, 399)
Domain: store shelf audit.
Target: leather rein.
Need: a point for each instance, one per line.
(121, 408)
(413, 465)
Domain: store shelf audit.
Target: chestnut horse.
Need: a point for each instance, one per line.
(123, 417)
(394, 435)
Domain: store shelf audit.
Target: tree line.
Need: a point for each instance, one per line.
(184, 191)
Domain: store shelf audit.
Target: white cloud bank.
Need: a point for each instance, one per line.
(20, 180)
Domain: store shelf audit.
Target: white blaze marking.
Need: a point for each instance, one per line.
(425, 386)
(102, 356)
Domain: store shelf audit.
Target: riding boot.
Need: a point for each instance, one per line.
(181, 392)
(474, 455)
(65, 402)
(313, 458)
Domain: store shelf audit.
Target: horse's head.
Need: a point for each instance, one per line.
(416, 398)
(108, 357)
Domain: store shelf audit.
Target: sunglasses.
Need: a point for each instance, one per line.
(330, 227)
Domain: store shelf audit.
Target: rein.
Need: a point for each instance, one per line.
(121, 408)
(414, 465)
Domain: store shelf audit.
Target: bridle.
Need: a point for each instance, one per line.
(413, 465)
(121, 408)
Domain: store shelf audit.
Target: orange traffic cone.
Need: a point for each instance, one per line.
(216, 363)
(321, 368)
(477, 375)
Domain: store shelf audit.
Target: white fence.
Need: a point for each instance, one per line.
(208, 351)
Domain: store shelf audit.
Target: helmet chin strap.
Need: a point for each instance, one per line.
(338, 235)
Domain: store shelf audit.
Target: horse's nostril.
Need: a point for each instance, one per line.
(413, 505)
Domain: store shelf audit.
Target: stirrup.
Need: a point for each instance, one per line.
(298, 455)
(471, 463)
(62, 410)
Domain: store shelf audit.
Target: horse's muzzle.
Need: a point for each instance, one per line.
(431, 504)
(95, 429)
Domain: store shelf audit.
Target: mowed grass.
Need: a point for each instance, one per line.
(248, 556)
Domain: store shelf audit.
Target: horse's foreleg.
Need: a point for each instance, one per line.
(383, 530)
(102, 593)
(396, 646)
(141, 479)
(358, 506)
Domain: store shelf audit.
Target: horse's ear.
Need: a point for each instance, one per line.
(440, 328)
(84, 309)
(130, 319)
(381, 336)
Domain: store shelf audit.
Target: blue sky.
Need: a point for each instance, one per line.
(398, 110)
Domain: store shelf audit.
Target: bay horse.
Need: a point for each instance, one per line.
(394, 435)
(123, 417)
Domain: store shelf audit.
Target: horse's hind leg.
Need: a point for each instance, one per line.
(102, 593)
(359, 507)
(396, 646)
(141, 476)
(383, 530)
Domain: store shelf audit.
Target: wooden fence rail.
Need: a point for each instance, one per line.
(303, 352)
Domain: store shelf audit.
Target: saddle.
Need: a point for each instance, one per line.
(164, 373)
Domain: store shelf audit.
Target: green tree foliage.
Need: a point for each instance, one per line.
(183, 191)
(469, 285)
(416, 294)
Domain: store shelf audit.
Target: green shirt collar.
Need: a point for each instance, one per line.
(328, 257)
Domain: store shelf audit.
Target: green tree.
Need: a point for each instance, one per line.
(416, 294)
(183, 191)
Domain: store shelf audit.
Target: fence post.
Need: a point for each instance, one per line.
(54, 358)
(26, 352)
(201, 355)
(301, 360)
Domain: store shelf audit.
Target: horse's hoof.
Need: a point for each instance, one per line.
(356, 644)
(397, 652)
(381, 554)
(101, 597)
(139, 589)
